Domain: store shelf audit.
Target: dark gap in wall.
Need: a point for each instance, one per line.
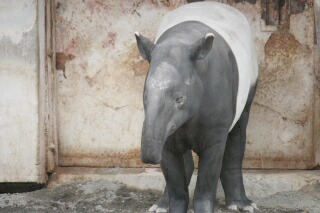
(190, 1)
(20, 187)
(250, 1)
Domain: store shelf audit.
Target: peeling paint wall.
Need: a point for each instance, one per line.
(317, 84)
(102, 75)
(20, 150)
(280, 131)
(100, 90)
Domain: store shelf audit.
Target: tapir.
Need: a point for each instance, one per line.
(203, 69)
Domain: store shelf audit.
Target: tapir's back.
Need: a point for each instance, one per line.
(233, 26)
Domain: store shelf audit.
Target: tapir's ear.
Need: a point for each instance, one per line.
(145, 46)
(202, 47)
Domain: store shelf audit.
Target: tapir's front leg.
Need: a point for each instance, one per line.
(210, 161)
(162, 204)
(172, 165)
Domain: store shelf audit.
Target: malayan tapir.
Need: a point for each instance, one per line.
(197, 96)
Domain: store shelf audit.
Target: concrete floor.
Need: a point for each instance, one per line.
(135, 190)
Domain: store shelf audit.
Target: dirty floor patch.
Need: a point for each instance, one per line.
(104, 196)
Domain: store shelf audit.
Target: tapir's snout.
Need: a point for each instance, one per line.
(151, 150)
(149, 158)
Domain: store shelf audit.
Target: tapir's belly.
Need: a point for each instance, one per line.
(234, 28)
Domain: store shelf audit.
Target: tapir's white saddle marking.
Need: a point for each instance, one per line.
(233, 26)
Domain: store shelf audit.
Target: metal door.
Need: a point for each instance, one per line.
(101, 77)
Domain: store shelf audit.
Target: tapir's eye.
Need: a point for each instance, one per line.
(179, 99)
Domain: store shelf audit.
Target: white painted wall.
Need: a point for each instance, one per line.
(20, 148)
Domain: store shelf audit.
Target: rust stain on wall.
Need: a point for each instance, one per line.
(61, 60)
(129, 158)
(281, 45)
(133, 61)
(110, 40)
(277, 163)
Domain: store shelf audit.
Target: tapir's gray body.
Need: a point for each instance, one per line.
(197, 97)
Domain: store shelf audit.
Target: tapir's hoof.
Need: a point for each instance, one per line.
(156, 208)
(249, 208)
(162, 204)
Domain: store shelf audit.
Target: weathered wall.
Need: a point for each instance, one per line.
(99, 95)
(100, 87)
(280, 131)
(20, 150)
(317, 84)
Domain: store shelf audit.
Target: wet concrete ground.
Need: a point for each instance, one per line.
(104, 196)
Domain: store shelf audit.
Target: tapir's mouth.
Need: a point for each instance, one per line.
(151, 146)
(151, 150)
(172, 130)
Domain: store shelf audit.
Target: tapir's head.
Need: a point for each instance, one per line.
(172, 92)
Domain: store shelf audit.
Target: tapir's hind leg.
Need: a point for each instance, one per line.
(231, 172)
(162, 204)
